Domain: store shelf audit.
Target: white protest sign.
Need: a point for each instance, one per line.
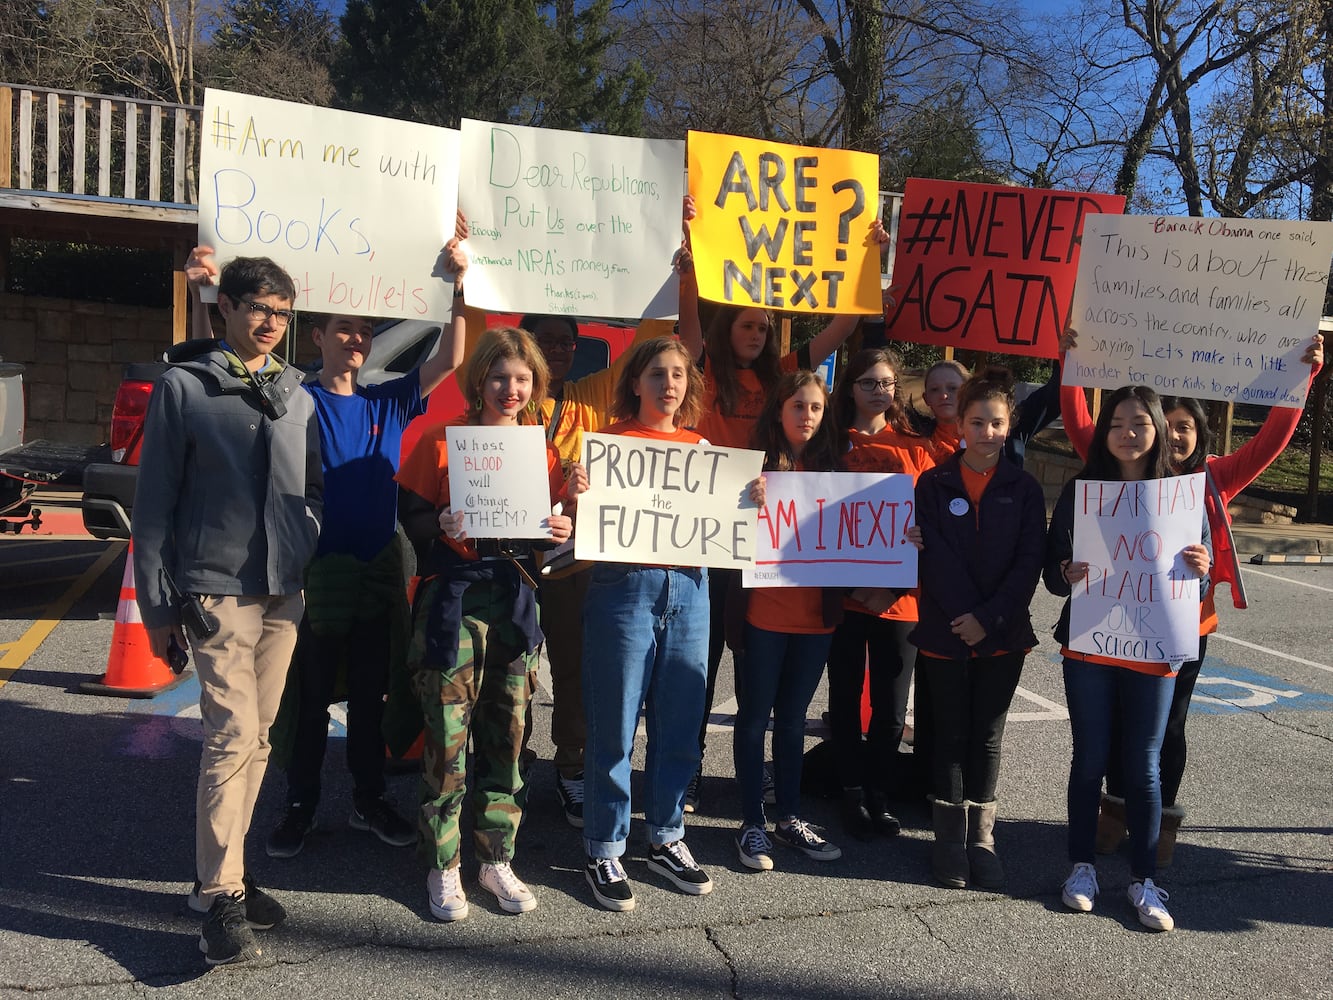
(834, 529)
(571, 222)
(1211, 308)
(356, 208)
(498, 476)
(1139, 601)
(667, 503)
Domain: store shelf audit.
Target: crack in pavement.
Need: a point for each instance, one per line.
(930, 931)
(716, 942)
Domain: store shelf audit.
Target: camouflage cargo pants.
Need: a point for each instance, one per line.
(484, 694)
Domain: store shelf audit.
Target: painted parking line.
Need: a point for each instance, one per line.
(22, 649)
(1286, 579)
(1226, 689)
(1271, 652)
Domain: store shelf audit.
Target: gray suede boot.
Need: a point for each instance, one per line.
(986, 870)
(948, 856)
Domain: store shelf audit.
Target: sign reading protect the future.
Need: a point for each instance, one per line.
(571, 222)
(325, 193)
(1212, 308)
(667, 503)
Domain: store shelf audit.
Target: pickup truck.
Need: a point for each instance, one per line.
(399, 346)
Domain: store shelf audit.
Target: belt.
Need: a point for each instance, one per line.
(503, 548)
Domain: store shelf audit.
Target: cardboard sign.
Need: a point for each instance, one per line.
(571, 222)
(497, 475)
(1139, 601)
(835, 529)
(784, 227)
(356, 208)
(987, 267)
(1211, 308)
(667, 503)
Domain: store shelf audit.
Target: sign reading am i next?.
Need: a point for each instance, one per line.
(1212, 308)
(325, 193)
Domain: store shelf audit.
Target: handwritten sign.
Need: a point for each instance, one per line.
(356, 208)
(1139, 601)
(987, 267)
(784, 227)
(571, 222)
(497, 476)
(1211, 308)
(667, 503)
(834, 529)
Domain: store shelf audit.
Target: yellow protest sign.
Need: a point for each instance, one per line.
(784, 227)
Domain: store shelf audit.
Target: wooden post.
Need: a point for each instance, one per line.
(180, 313)
(6, 135)
(784, 337)
(53, 142)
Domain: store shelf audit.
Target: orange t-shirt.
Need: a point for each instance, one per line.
(975, 482)
(944, 442)
(734, 431)
(888, 451)
(788, 609)
(425, 471)
(632, 428)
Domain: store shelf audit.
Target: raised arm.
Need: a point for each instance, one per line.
(829, 339)
(449, 354)
(691, 331)
(200, 269)
(1073, 403)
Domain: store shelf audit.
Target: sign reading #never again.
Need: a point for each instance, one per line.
(1212, 308)
(667, 503)
(570, 222)
(329, 195)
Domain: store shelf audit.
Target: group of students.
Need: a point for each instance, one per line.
(622, 638)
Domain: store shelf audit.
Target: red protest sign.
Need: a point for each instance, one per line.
(988, 267)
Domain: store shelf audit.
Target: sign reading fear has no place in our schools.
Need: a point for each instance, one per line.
(784, 227)
(497, 477)
(571, 222)
(667, 503)
(1211, 308)
(1139, 600)
(327, 194)
(834, 529)
(988, 267)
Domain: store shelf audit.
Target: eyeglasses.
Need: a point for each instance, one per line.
(871, 384)
(556, 345)
(283, 316)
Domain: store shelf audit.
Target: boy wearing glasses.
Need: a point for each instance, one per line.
(227, 509)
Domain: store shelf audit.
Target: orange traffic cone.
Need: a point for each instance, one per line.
(132, 671)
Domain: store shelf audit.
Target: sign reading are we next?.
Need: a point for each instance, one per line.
(571, 222)
(356, 208)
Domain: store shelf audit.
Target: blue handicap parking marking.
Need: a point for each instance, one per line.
(1226, 689)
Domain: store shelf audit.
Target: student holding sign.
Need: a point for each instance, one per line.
(645, 644)
(787, 634)
(475, 635)
(1227, 476)
(983, 524)
(872, 637)
(1129, 443)
(741, 368)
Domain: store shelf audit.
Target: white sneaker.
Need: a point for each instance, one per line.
(508, 888)
(1149, 899)
(1080, 888)
(445, 892)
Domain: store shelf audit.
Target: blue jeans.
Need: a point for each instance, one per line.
(782, 670)
(645, 642)
(1095, 693)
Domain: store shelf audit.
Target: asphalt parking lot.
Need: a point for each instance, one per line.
(96, 821)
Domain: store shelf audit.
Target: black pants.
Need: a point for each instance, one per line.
(859, 641)
(719, 583)
(970, 702)
(1174, 750)
(366, 648)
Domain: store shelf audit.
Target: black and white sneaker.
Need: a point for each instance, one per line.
(610, 886)
(379, 818)
(675, 863)
(288, 837)
(754, 848)
(262, 911)
(799, 834)
(570, 791)
(227, 937)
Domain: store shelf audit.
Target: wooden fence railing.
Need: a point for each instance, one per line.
(95, 145)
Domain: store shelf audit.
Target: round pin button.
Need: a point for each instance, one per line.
(958, 506)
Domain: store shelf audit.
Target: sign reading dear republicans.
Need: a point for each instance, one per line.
(356, 208)
(571, 222)
(1213, 308)
(987, 267)
(1139, 600)
(784, 227)
(834, 529)
(667, 503)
